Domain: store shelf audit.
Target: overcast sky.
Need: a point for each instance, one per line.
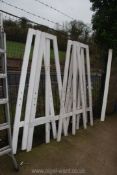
(78, 9)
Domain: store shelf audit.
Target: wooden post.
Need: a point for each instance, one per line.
(17, 122)
(106, 85)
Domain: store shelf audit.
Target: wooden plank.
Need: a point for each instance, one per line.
(49, 106)
(81, 85)
(78, 107)
(51, 102)
(30, 35)
(50, 118)
(69, 94)
(57, 64)
(47, 90)
(35, 91)
(105, 97)
(62, 101)
(84, 78)
(44, 119)
(89, 85)
(30, 90)
(74, 89)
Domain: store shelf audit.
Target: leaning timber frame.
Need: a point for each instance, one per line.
(74, 93)
(75, 96)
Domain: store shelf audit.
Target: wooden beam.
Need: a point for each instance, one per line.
(105, 97)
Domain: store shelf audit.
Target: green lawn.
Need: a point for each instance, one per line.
(16, 50)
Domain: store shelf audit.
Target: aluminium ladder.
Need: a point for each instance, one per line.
(5, 100)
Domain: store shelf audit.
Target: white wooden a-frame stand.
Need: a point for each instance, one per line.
(49, 106)
(41, 51)
(74, 95)
(74, 92)
(17, 121)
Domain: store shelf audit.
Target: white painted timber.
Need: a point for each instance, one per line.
(74, 89)
(73, 93)
(105, 97)
(30, 35)
(89, 85)
(31, 95)
(30, 128)
(49, 106)
(81, 85)
(63, 93)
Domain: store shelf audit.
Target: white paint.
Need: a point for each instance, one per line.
(106, 85)
(19, 104)
(28, 132)
(49, 106)
(72, 94)
(89, 85)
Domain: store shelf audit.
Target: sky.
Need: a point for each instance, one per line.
(77, 9)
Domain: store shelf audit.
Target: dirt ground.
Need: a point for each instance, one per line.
(92, 152)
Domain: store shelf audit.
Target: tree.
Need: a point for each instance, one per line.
(78, 31)
(104, 22)
(23, 23)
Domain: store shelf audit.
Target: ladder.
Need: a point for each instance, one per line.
(5, 100)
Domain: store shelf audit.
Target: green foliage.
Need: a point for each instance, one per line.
(17, 31)
(105, 22)
(14, 30)
(78, 31)
(16, 50)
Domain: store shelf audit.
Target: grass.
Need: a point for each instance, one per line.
(16, 50)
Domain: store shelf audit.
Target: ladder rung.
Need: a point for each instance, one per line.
(3, 101)
(5, 150)
(2, 75)
(2, 51)
(4, 126)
